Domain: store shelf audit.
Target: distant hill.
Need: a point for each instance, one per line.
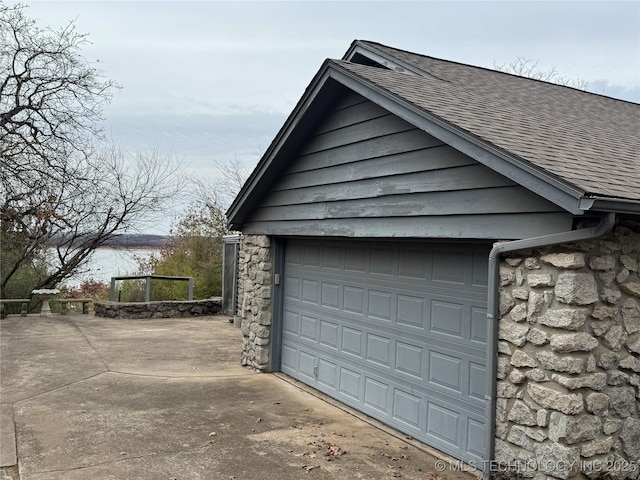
(136, 240)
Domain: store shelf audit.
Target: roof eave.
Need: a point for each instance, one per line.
(610, 204)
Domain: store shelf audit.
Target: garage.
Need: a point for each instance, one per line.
(394, 329)
(373, 235)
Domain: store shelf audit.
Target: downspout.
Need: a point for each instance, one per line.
(606, 224)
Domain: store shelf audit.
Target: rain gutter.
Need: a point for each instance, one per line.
(606, 224)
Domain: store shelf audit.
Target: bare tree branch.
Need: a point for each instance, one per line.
(63, 186)
(526, 67)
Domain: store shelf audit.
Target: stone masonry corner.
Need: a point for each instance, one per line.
(569, 359)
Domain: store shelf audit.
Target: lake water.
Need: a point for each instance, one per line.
(111, 262)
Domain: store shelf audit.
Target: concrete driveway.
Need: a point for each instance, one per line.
(84, 397)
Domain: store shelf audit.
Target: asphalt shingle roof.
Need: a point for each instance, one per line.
(590, 141)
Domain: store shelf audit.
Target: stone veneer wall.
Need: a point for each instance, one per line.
(159, 309)
(255, 272)
(569, 358)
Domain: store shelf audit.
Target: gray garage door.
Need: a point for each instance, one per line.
(395, 330)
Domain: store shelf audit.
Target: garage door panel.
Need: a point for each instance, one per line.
(407, 409)
(309, 327)
(448, 267)
(412, 264)
(410, 360)
(355, 260)
(378, 350)
(307, 364)
(328, 374)
(383, 262)
(474, 438)
(380, 305)
(480, 272)
(376, 395)
(311, 291)
(295, 254)
(292, 287)
(350, 383)
(410, 311)
(329, 334)
(396, 331)
(476, 382)
(478, 326)
(353, 300)
(445, 372)
(330, 295)
(289, 359)
(291, 322)
(352, 340)
(312, 255)
(332, 258)
(444, 424)
(447, 318)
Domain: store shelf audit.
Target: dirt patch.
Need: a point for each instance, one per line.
(360, 452)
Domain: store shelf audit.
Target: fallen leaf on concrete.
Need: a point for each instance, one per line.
(334, 450)
(306, 454)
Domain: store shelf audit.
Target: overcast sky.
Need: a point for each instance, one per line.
(210, 80)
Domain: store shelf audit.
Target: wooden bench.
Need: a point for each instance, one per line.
(64, 304)
(23, 301)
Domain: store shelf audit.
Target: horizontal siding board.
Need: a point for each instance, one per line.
(373, 128)
(373, 148)
(358, 113)
(509, 226)
(460, 178)
(366, 173)
(349, 99)
(407, 162)
(512, 199)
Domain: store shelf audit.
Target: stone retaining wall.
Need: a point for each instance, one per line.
(164, 309)
(569, 359)
(255, 272)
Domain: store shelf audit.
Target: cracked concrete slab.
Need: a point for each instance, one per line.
(166, 398)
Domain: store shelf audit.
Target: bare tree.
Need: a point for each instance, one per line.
(219, 191)
(526, 67)
(62, 185)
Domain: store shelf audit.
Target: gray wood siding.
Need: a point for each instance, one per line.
(366, 172)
